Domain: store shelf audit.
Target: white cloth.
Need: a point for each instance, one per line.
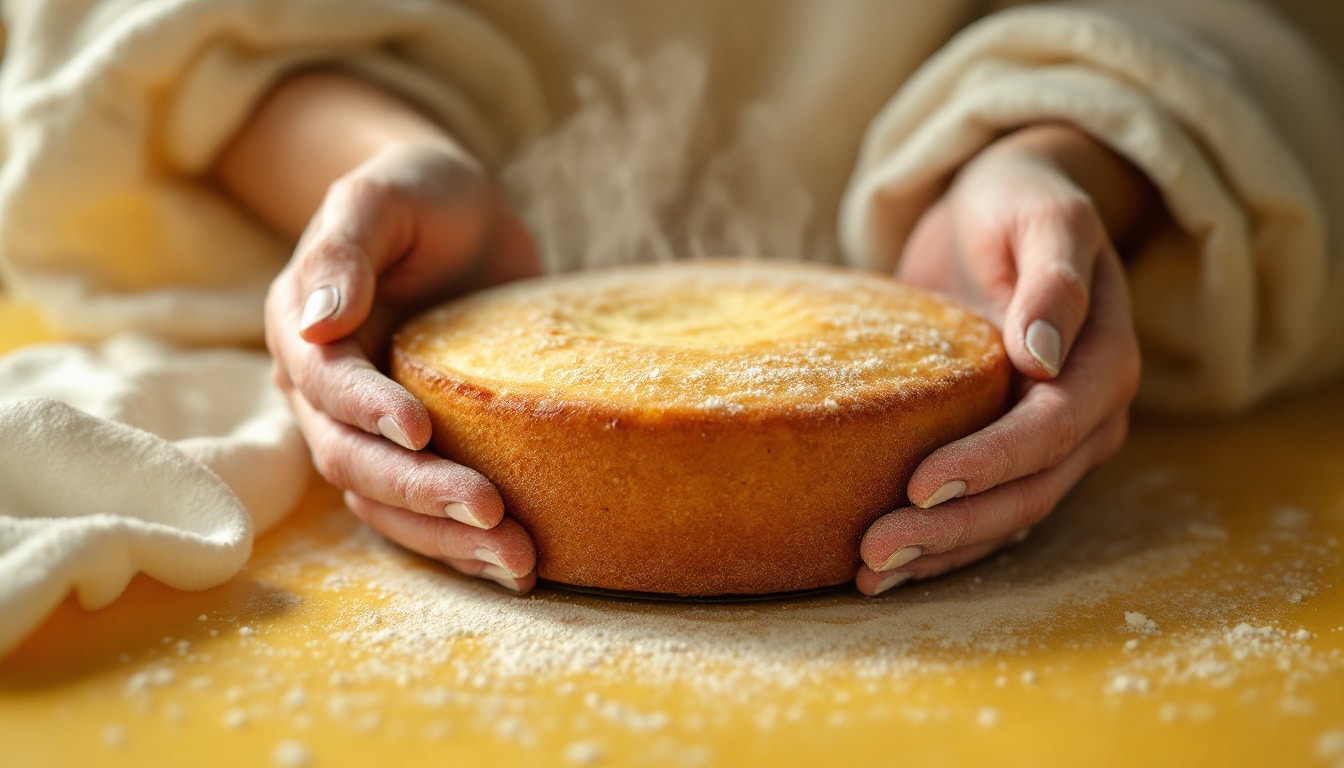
(132, 456)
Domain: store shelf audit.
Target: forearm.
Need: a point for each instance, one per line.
(312, 129)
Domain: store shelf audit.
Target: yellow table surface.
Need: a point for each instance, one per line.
(1182, 607)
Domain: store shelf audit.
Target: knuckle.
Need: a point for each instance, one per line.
(324, 253)
(964, 529)
(332, 466)
(1077, 213)
(362, 190)
(412, 486)
(447, 541)
(997, 456)
(402, 483)
(1071, 211)
(306, 376)
(1069, 288)
(1061, 433)
(358, 394)
(1031, 502)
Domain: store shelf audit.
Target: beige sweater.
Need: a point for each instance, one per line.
(643, 129)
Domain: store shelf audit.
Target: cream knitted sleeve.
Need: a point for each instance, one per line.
(111, 109)
(1228, 112)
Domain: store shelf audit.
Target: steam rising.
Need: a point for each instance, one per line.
(632, 174)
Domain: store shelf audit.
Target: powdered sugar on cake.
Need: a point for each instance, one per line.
(709, 335)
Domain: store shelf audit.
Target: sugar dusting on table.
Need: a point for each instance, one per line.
(480, 655)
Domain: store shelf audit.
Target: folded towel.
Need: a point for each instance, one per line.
(135, 456)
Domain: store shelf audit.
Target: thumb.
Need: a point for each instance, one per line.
(354, 235)
(1055, 254)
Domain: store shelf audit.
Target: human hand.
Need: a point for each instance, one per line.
(1023, 238)
(411, 225)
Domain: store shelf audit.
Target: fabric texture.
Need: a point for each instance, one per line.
(133, 456)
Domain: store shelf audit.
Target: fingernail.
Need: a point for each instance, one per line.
(463, 514)
(393, 431)
(501, 577)
(901, 557)
(894, 580)
(1044, 344)
(486, 556)
(319, 305)
(950, 490)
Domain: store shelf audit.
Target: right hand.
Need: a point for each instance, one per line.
(410, 226)
(1021, 236)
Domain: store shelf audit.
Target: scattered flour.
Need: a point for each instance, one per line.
(412, 628)
(584, 753)
(718, 650)
(1218, 657)
(473, 657)
(1128, 684)
(291, 754)
(1140, 623)
(235, 719)
(295, 698)
(1330, 747)
(114, 736)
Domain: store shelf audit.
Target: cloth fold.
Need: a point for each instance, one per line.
(134, 456)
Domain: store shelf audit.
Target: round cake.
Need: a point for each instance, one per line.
(701, 428)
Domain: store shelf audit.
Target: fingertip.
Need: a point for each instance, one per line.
(1045, 345)
(473, 499)
(517, 566)
(400, 417)
(337, 282)
(1050, 305)
(880, 540)
(871, 583)
(480, 569)
(1035, 349)
(952, 489)
(467, 515)
(950, 472)
(388, 427)
(328, 315)
(319, 305)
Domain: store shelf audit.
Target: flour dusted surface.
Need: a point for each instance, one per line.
(1175, 600)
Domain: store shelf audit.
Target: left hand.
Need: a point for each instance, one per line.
(1018, 237)
(410, 226)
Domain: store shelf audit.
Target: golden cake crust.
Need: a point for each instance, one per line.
(701, 428)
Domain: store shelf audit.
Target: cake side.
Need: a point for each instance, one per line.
(790, 405)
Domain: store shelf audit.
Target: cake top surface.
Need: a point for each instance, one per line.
(703, 335)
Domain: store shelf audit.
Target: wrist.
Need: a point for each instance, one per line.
(310, 130)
